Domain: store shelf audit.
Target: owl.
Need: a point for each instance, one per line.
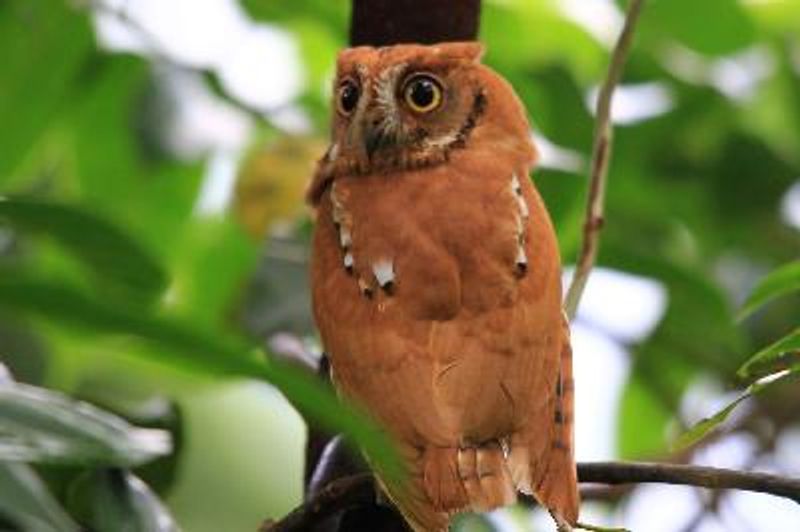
(436, 282)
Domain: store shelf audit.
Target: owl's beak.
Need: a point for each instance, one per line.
(375, 137)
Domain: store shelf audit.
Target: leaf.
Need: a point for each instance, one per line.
(321, 405)
(112, 133)
(45, 45)
(119, 501)
(770, 365)
(214, 354)
(505, 27)
(687, 22)
(780, 355)
(112, 255)
(26, 501)
(650, 399)
(703, 427)
(780, 282)
(698, 431)
(40, 425)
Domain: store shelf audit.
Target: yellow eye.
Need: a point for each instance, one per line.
(422, 93)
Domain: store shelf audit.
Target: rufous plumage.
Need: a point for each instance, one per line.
(436, 282)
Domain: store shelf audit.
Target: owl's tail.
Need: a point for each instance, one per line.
(553, 480)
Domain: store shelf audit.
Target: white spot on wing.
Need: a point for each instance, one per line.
(515, 185)
(345, 238)
(384, 272)
(522, 259)
(338, 208)
(343, 224)
(523, 207)
(516, 191)
(520, 227)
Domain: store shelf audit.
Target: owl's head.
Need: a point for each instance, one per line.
(409, 106)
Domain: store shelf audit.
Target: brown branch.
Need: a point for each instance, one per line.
(341, 494)
(601, 153)
(357, 490)
(689, 475)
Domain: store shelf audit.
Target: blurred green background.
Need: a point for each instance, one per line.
(153, 157)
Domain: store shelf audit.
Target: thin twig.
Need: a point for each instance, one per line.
(595, 528)
(359, 489)
(601, 153)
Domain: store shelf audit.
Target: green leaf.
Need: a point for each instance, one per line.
(770, 363)
(27, 503)
(505, 27)
(45, 45)
(698, 431)
(778, 283)
(213, 354)
(119, 501)
(40, 425)
(650, 399)
(321, 405)
(783, 354)
(690, 23)
(116, 259)
(703, 427)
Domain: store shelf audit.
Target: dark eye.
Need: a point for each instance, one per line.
(347, 98)
(422, 93)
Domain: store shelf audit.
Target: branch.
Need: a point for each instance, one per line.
(360, 489)
(341, 494)
(689, 475)
(601, 153)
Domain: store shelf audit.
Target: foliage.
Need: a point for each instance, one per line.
(117, 290)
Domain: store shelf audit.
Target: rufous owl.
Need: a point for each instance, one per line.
(436, 282)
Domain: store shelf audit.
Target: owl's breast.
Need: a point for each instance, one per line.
(428, 244)
(426, 283)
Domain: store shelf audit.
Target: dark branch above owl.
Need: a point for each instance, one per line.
(388, 22)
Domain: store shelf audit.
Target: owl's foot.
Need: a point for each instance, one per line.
(485, 476)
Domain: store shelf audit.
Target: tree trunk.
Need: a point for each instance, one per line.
(387, 22)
